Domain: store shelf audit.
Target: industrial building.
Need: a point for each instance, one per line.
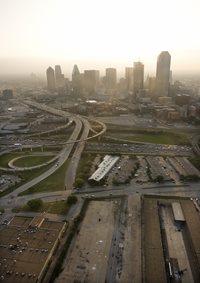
(177, 212)
(26, 247)
(104, 167)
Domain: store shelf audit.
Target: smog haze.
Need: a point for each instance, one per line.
(91, 33)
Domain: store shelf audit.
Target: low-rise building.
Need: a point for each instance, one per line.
(26, 247)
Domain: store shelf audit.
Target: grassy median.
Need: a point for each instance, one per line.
(29, 161)
(148, 136)
(55, 182)
(25, 177)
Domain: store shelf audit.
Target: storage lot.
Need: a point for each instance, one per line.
(176, 245)
(165, 239)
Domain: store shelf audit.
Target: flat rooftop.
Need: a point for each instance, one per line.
(26, 244)
(177, 211)
(104, 167)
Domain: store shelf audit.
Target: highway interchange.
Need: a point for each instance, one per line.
(77, 138)
(72, 150)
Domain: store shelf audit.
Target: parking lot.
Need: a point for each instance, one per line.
(140, 169)
(123, 171)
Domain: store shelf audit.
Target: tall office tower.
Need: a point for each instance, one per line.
(76, 81)
(91, 81)
(129, 78)
(163, 74)
(111, 79)
(51, 85)
(138, 77)
(58, 72)
(75, 72)
(60, 80)
(152, 86)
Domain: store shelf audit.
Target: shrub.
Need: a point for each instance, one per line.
(35, 204)
(71, 200)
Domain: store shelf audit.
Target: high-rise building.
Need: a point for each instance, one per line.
(152, 86)
(76, 81)
(91, 80)
(138, 77)
(111, 79)
(163, 74)
(75, 72)
(58, 71)
(51, 85)
(129, 78)
(59, 77)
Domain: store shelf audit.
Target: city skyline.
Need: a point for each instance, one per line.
(94, 34)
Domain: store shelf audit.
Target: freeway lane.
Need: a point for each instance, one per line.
(141, 149)
(71, 170)
(64, 154)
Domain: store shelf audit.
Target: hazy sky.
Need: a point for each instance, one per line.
(98, 33)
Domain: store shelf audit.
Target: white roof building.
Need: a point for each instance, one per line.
(104, 167)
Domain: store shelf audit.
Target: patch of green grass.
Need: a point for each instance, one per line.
(25, 176)
(164, 197)
(57, 207)
(86, 160)
(31, 161)
(159, 137)
(5, 158)
(83, 170)
(55, 182)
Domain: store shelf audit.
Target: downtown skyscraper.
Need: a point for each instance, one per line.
(77, 84)
(111, 79)
(59, 77)
(51, 84)
(163, 74)
(138, 77)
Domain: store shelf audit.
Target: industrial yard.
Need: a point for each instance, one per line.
(134, 239)
(171, 240)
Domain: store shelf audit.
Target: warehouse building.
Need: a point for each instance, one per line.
(26, 247)
(104, 167)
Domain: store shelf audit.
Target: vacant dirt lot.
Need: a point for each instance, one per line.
(89, 256)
